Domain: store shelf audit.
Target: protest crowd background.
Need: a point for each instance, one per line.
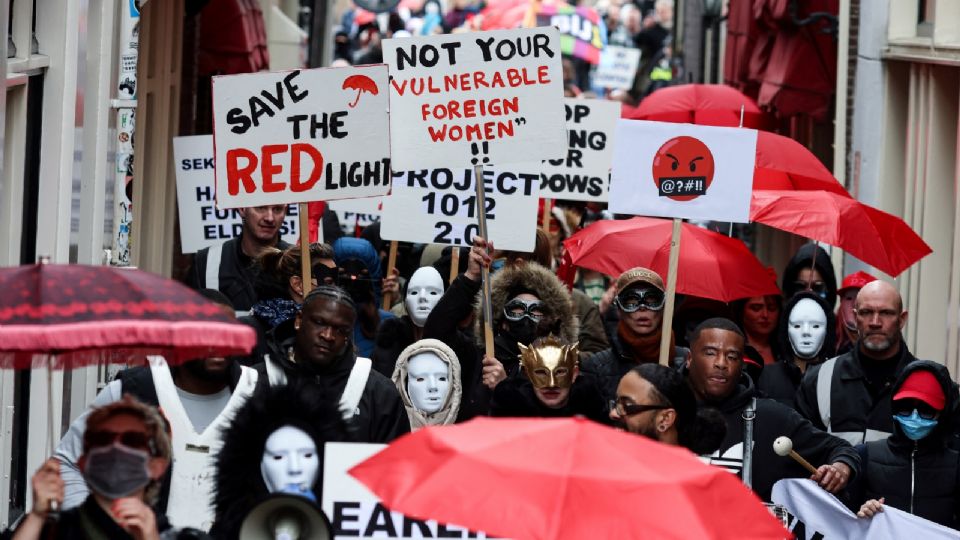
(487, 269)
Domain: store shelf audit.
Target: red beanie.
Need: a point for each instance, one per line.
(922, 385)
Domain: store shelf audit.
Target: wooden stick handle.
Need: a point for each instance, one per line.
(391, 264)
(482, 227)
(667, 325)
(545, 222)
(454, 263)
(306, 275)
(806, 464)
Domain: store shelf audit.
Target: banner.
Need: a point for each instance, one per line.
(582, 32)
(584, 174)
(682, 171)
(354, 213)
(617, 69)
(201, 223)
(355, 512)
(823, 516)
(479, 98)
(300, 136)
(438, 206)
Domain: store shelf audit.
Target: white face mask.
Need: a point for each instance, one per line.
(289, 459)
(428, 381)
(807, 328)
(423, 292)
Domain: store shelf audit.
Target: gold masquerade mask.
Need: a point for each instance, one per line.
(549, 363)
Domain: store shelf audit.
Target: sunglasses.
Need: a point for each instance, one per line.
(131, 439)
(325, 275)
(517, 309)
(637, 299)
(818, 287)
(628, 408)
(905, 407)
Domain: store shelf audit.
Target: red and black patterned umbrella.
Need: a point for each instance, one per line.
(65, 316)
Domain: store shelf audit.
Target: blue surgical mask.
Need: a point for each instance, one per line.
(914, 427)
(300, 490)
(497, 265)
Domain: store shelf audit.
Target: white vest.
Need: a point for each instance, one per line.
(192, 469)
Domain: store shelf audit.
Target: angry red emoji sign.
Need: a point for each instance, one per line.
(683, 168)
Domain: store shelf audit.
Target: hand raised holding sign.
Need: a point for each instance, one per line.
(479, 258)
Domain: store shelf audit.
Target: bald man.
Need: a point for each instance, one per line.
(849, 395)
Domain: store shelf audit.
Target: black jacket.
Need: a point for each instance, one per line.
(238, 273)
(780, 380)
(921, 477)
(71, 526)
(382, 416)
(444, 324)
(774, 420)
(857, 410)
(610, 365)
(393, 336)
(515, 397)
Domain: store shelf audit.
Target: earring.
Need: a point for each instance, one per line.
(661, 428)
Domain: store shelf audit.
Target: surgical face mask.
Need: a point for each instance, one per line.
(116, 471)
(290, 462)
(807, 328)
(428, 382)
(915, 427)
(423, 292)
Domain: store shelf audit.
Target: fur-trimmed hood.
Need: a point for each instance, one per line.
(541, 282)
(451, 406)
(238, 483)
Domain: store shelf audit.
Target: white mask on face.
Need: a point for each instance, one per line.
(428, 382)
(807, 328)
(289, 459)
(423, 292)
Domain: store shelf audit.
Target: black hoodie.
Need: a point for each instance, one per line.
(822, 263)
(780, 380)
(921, 477)
(773, 420)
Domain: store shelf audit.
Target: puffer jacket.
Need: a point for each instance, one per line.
(921, 477)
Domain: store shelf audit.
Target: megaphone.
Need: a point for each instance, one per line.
(282, 516)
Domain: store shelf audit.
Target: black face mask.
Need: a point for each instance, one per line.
(523, 331)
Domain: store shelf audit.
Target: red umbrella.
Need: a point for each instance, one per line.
(711, 264)
(702, 104)
(562, 478)
(784, 164)
(873, 236)
(73, 315)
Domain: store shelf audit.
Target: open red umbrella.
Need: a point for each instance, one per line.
(784, 164)
(871, 235)
(711, 265)
(562, 478)
(702, 104)
(69, 315)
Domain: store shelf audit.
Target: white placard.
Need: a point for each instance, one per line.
(617, 69)
(353, 213)
(201, 223)
(438, 206)
(484, 98)
(584, 173)
(355, 512)
(302, 135)
(682, 171)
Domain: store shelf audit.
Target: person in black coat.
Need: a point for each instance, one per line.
(549, 385)
(806, 338)
(714, 371)
(810, 268)
(423, 292)
(915, 469)
(322, 354)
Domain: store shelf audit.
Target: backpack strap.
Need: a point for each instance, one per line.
(354, 388)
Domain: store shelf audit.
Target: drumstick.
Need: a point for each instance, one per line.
(783, 446)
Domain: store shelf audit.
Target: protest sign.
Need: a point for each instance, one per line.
(355, 512)
(584, 173)
(823, 516)
(201, 223)
(582, 34)
(353, 213)
(682, 171)
(299, 136)
(617, 69)
(475, 99)
(438, 206)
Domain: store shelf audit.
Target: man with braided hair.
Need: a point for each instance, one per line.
(322, 353)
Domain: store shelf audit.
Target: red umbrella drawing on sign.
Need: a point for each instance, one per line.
(360, 83)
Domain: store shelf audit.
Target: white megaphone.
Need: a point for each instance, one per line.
(286, 517)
